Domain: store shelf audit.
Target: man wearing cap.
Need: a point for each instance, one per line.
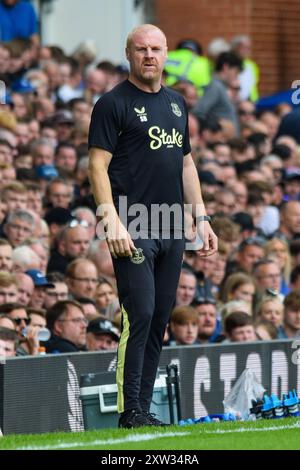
(40, 285)
(186, 63)
(291, 182)
(101, 335)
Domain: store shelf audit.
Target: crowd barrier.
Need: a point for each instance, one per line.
(41, 394)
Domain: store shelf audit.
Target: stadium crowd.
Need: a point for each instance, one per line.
(56, 272)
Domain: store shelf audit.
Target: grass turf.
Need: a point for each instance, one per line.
(266, 434)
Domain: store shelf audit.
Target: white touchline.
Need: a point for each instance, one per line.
(133, 438)
(270, 428)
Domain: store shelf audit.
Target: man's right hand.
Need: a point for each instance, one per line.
(118, 239)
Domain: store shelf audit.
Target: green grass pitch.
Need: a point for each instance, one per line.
(265, 434)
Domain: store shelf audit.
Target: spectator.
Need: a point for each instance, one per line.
(41, 283)
(104, 295)
(291, 316)
(82, 278)
(40, 250)
(59, 193)
(238, 286)
(56, 219)
(67, 324)
(25, 288)
(25, 258)
(268, 275)
(19, 226)
(239, 327)
(101, 335)
(89, 308)
(37, 317)
(279, 249)
(15, 196)
(5, 255)
(184, 325)
(8, 287)
(186, 289)
(215, 100)
(72, 242)
(8, 342)
(58, 292)
(249, 77)
(87, 215)
(99, 253)
(270, 309)
(290, 220)
(7, 322)
(250, 251)
(66, 157)
(207, 321)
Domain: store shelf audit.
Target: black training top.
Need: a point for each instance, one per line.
(147, 134)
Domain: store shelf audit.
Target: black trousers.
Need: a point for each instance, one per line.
(147, 286)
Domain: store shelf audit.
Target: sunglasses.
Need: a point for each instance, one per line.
(18, 321)
(75, 223)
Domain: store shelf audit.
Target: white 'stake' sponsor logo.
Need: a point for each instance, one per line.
(161, 137)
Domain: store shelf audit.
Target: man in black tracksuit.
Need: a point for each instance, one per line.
(140, 156)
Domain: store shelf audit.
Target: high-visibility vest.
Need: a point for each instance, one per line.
(254, 95)
(183, 64)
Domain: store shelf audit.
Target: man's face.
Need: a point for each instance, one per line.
(8, 294)
(17, 231)
(72, 326)
(77, 242)
(60, 195)
(5, 258)
(55, 294)
(186, 289)
(15, 201)
(291, 217)
(38, 297)
(292, 319)
(207, 320)
(269, 276)
(66, 159)
(25, 288)
(243, 333)
(44, 155)
(100, 342)
(185, 333)
(7, 348)
(84, 281)
(147, 54)
(37, 320)
(19, 316)
(249, 256)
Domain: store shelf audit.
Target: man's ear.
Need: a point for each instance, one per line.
(127, 53)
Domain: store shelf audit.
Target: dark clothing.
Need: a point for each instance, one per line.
(57, 345)
(290, 125)
(147, 135)
(146, 292)
(58, 262)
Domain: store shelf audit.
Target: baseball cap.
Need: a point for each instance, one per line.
(291, 174)
(22, 86)
(38, 278)
(58, 215)
(99, 326)
(46, 172)
(63, 116)
(190, 44)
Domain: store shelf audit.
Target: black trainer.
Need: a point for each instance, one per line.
(134, 419)
(153, 420)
